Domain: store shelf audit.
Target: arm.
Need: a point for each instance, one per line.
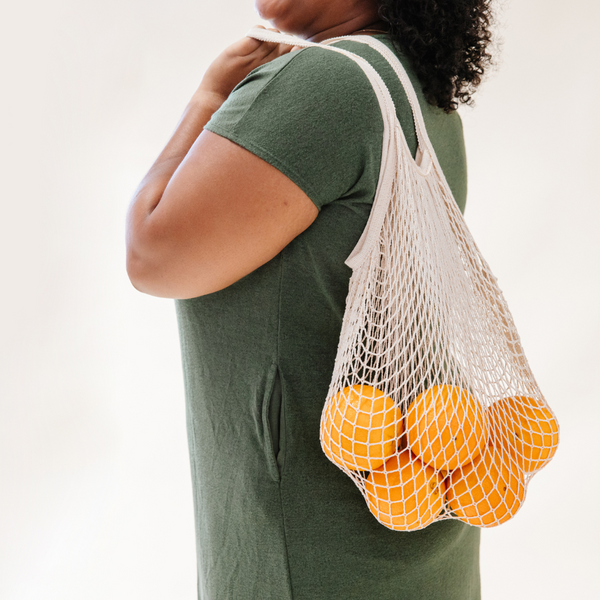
(209, 212)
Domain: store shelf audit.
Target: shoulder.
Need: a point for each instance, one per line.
(312, 80)
(308, 65)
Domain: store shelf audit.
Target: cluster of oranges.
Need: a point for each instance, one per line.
(448, 452)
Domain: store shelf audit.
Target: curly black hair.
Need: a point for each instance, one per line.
(447, 43)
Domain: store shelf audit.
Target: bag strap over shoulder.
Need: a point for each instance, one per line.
(422, 137)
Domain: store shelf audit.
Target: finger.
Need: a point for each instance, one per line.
(267, 51)
(266, 28)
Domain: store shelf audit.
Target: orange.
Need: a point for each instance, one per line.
(526, 428)
(488, 491)
(404, 494)
(446, 427)
(361, 428)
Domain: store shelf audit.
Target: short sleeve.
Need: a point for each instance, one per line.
(314, 116)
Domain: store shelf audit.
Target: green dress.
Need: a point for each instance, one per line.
(275, 519)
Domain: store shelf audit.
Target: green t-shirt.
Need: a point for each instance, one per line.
(275, 519)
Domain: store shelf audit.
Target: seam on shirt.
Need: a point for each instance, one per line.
(279, 303)
(285, 542)
(277, 354)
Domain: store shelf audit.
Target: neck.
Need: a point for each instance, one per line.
(349, 27)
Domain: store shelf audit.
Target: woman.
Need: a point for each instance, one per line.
(246, 218)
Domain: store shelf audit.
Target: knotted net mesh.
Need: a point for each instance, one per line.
(432, 409)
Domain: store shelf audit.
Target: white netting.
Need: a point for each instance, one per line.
(432, 409)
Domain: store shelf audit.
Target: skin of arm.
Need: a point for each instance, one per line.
(208, 212)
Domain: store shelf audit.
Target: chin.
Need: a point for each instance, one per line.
(279, 13)
(269, 9)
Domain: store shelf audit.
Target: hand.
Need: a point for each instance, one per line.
(233, 64)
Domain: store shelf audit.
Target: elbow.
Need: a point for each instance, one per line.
(142, 261)
(162, 279)
(140, 272)
(158, 264)
(149, 277)
(137, 271)
(154, 269)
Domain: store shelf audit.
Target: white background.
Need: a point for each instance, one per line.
(95, 495)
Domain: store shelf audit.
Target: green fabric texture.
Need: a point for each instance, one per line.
(275, 519)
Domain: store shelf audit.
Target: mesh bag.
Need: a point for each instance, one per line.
(432, 408)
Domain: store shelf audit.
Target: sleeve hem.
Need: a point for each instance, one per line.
(272, 160)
